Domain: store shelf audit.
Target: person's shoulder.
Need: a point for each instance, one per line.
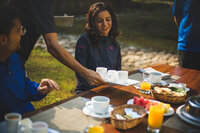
(84, 36)
(83, 39)
(15, 58)
(117, 43)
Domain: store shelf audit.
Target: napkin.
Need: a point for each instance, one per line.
(150, 70)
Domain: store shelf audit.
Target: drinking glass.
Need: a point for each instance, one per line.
(155, 77)
(90, 118)
(155, 119)
(145, 85)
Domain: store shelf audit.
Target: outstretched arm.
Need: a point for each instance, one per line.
(56, 50)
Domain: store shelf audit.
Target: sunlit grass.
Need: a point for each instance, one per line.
(42, 65)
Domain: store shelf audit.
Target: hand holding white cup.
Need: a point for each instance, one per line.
(102, 71)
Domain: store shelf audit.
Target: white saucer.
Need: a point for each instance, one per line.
(171, 110)
(89, 111)
(52, 131)
(129, 82)
(178, 112)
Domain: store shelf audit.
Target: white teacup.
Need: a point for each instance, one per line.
(12, 120)
(102, 71)
(39, 127)
(99, 104)
(112, 76)
(24, 126)
(155, 77)
(122, 76)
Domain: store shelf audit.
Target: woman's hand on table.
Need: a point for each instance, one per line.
(47, 85)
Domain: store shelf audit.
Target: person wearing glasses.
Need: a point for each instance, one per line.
(37, 17)
(16, 90)
(187, 18)
(98, 47)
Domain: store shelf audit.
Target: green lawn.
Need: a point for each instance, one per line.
(42, 65)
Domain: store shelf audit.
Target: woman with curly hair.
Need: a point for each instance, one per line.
(98, 47)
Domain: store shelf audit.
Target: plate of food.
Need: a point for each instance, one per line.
(146, 103)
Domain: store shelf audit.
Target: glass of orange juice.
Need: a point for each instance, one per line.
(145, 85)
(155, 118)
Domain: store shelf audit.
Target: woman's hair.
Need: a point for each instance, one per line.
(91, 29)
(7, 16)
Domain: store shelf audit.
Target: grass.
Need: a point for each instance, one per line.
(42, 65)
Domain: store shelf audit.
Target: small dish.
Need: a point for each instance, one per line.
(171, 110)
(50, 130)
(179, 111)
(89, 111)
(129, 82)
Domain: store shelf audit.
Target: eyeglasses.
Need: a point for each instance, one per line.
(22, 30)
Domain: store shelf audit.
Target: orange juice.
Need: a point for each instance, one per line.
(145, 86)
(155, 117)
(96, 129)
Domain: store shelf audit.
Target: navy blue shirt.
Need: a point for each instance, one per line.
(105, 54)
(37, 17)
(188, 11)
(16, 90)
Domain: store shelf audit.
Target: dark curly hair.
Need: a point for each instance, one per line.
(91, 29)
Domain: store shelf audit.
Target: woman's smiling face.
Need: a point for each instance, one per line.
(103, 22)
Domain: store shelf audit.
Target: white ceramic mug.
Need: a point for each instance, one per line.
(122, 76)
(112, 76)
(12, 120)
(155, 77)
(24, 126)
(99, 104)
(102, 71)
(39, 127)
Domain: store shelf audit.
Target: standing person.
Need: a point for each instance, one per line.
(98, 46)
(187, 17)
(16, 90)
(37, 18)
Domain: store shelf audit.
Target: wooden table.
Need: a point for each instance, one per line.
(120, 94)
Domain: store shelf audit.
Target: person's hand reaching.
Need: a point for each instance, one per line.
(46, 85)
(94, 78)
